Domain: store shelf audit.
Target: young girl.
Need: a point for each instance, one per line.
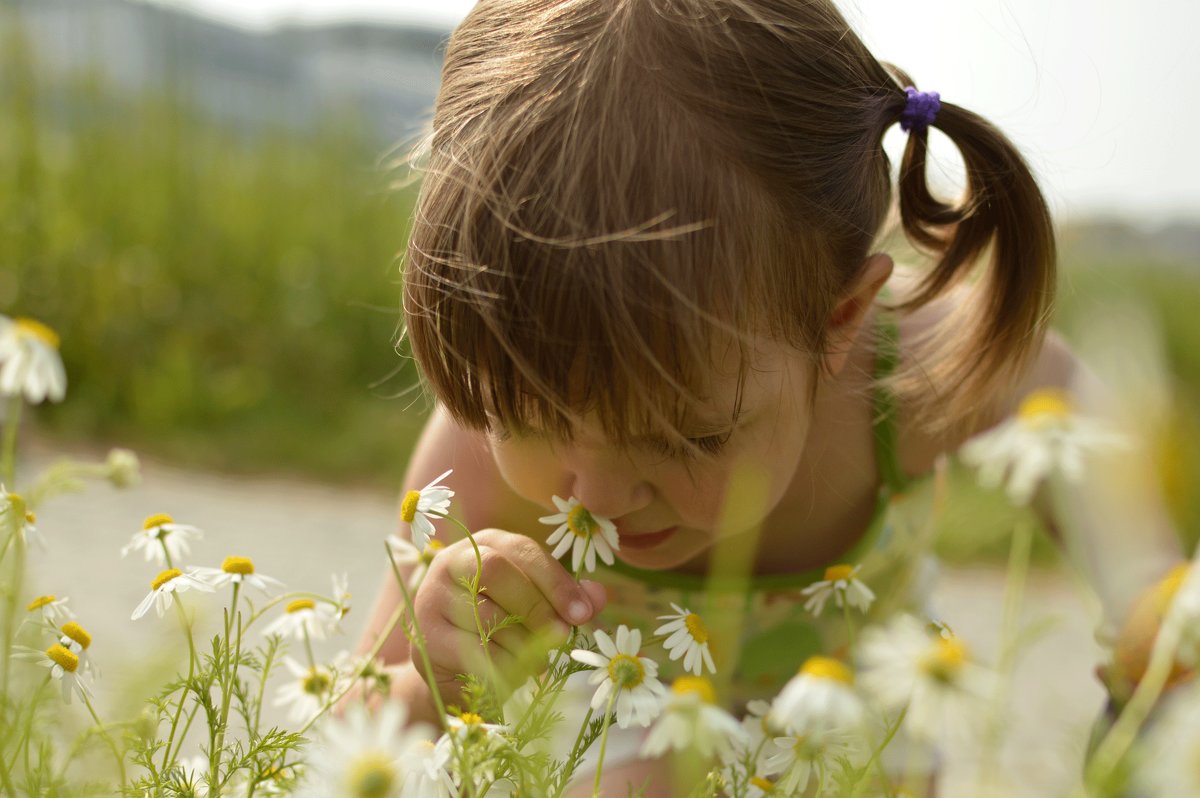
(643, 273)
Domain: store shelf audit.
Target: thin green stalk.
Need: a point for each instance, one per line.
(8, 449)
(228, 680)
(295, 594)
(10, 610)
(107, 738)
(849, 629)
(576, 753)
(187, 628)
(475, 591)
(861, 783)
(608, 722)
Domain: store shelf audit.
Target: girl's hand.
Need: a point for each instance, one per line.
(518, 577)
(1135, 642)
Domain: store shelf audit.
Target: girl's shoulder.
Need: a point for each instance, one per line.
(1054, 366)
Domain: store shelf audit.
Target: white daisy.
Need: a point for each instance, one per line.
(236, 571)
(307, 692)
(76, 639)
(305, 617)
(1045, 437)
(30, 364)
(688, 638)
(426, 768)
(907, 663)
(50, 609)
(792, 760)
(589, 534)
(418, 561)
(158, 531)
(164, 586)
(818, 700)
(691, 720)
(191, 778)
(419, 505)
(363, 754)
(122, 468)
(64, 666)
(840, 583)
(14, 510)
(639, 694)
(1168, 752)
(341, 594)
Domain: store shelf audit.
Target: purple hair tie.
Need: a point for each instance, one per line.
(920, 111)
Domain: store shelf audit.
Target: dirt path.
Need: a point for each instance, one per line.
(302, 532)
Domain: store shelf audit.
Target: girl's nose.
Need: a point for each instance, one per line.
(608, 486)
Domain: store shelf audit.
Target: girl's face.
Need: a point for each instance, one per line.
(667, 504)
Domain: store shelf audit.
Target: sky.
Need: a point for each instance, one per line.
(1100, 95)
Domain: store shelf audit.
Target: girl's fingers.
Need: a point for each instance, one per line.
(510, 587)
(558, 588)
(512, 637)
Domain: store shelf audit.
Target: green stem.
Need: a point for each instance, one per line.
(295, 594)
(475, 591)
(608, 722)
(312, 661)
(849, 630)
(576, 752)
(229, 678)
(11, 598)
(861, 783)
(8, 450)
(187, 629)
(107, 738)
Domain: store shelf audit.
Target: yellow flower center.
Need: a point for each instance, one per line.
(157, 519)
(836, 572)
(1045, 405)
(431, 550)
(372, 775)
(164, 577)
(39, 602)
(30, 517)
(945, 660)
(301, 604)
(695, 684)
(77, 633)
(63, 657)
(408, 507)
(580, 521)
(238, 565)
(626, 671)
(35, 329)
(316, 683)
(696, 627)
(827, 668)
(763, 784)
(471, 719)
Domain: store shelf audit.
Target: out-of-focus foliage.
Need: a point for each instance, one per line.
(225, 298)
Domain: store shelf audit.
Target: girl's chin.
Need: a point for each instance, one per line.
(670, 553)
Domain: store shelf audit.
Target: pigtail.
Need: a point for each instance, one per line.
(999, 326)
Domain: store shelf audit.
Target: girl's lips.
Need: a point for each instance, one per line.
(646, 541)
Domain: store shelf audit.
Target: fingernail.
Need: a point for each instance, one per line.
(579, 612)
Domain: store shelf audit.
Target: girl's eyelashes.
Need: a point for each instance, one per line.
(711, 445)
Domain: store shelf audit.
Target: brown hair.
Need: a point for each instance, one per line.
(610, 184)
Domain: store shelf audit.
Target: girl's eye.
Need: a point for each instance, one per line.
(706, 444)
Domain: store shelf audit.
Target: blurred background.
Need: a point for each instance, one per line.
(199, 197)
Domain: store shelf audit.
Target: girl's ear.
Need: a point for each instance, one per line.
(848, 315)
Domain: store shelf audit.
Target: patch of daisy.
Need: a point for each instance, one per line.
(634, 679)
(77, 640)
(793, 759)
(691, 720)
(581, 532)
(305, 618)
(30, 365)
(947, 693)
(15, 511)
(687, 638)
(64, 668)
(1045, 437)
(341, 594)
(419, 507)
(49, 609)
(308, 691)
(159, 531)
(841, 583)
(417, 560)
(236, 571)
(190, 776)
(122, 468)
(426, 767)
(363, 754)
(819, 699)
(163, 589)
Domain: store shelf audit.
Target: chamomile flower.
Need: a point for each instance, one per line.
(819, 699)
(307, 692)
(1168, 752)
(418, 505)
(582, 533)
(341, 594)
(692, 720)
(639, 693)
(842, 584)
(236, 571)
(50, 609)
(76, 639)
(427, 774)
(793, 759)
(303, 618)
(688, 638)
(164, 586)
(64, 667)
(905, 663)
(363, 755)
(30, 364)
(122, 468)
(191, 776)
(13, 509)
(159, 531)
(418, 561)
(1046, 436)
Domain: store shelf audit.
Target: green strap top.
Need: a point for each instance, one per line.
(894, 481)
